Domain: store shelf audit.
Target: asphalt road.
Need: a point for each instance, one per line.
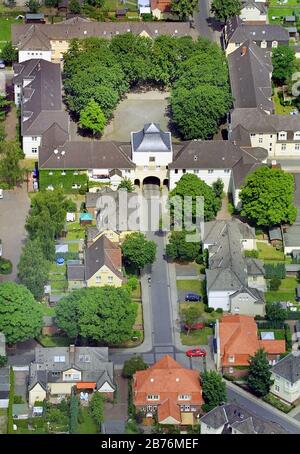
(252, 405)
(204, 23)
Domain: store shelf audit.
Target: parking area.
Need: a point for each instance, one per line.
(116, 414)
(13, 211)
(21, 380)
(185, 271)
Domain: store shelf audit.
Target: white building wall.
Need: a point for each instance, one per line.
(252, 14)
(141, 158)
(205, 429)
(219, 299)
(4, 403)
(28, 54)
(285, 389)
(29, 144)
(205, 175)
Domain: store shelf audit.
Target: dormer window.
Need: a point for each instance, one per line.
(297, 135)
(282, 135)
(153, 397)
(274, 43)
(264, 44)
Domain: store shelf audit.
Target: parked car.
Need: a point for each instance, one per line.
(195, 326)
(192, 297)
(2, 64)
(196, 352)
(1, 193)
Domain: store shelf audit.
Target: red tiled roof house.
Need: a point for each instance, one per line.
(237, 339)
(169, 391)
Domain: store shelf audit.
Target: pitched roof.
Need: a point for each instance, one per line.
(103, 252)
(261, 6)
(289, 367)
(238, 338)
(250, 68)
(75, 272)
(238, 32)
(240, 418)
(151, 138)
(168, 409)
(34, 39)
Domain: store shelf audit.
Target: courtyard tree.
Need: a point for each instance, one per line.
(74, 7)
(11, 172)
(259, 376)
(268, 197)
(92, 117)
(283, 60)
(181, 249)
(184, 8)
(218, 187)
(126, 184)
(97, 408)
(132, 365)
(213, 390)
(225, 9)
(138, 251)
(190, 185)
(275, 313)
(9, 53)
(105, 314)
(190, 316)
(20, 314)
(34, 268)
(33, 6)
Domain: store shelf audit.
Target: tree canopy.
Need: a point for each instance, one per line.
(11, 172)
(105, 314)
(268, 197)
(126, 184)
(20, 314)
(196, 71)
(225, 9)
(9, 53)
(138, 251)
(213, 389)
(259, 376)
(179, 248)
(184, 8)
(132, 365)
(283, 60)
(92, 117)
(275, 313)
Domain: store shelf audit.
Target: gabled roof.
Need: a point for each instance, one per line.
(34, 39)
(168, 409)
(103, 252)
(250, 68)
(289, 367)
(238, 32)
(261, 6)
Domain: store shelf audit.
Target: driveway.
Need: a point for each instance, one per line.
(116, 414)
(21, 378)
(13, 211)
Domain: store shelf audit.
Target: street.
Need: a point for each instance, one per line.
(205, 23)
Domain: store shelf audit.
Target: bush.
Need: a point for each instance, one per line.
(273, 271)
(133, 283)
(199, 259)
(3, 361)
(272, 400)
(38, 422)
(5, 266)
(132, 365)
(219, 310)
(22, 423)
(275, 283)
(288, 337)
(253, 253)
(209, 310)
(18, 400)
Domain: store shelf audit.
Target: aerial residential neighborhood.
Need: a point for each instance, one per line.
(149, 218)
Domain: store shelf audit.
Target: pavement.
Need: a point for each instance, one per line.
(262, 409)
(204, 22)
(116, 413)
(13, 211)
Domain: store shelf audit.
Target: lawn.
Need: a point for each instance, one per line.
(57, 180)
(279, 108)
(139, 317)
(75, 231)
(58, 286)
(113, 5)
(47, 310)
(267, 252)
(88, 425)
(58, 269)
(278, 333)
(73, 247)
(286, 291)
(279, 12)
(137, 293)
(207, 317)
(5, 28)
(190, 286)
(3, 421)
(199, 337)
(54, 341)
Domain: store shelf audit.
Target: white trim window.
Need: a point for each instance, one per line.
(34, 150)
(153, 397)
(184, 397)
(283, 147)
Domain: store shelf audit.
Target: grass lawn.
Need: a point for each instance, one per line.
(5, 28)
(54, 341)
(267, 252)
(73, 247)
(58, 269)
(75, 231)
(198, 337)
(58, 286)
(279, 108)
(286, 291)
(3, 421)
(137, 293)
(113, 5)
(190, 286)
(88, 426)
(139, 317)
(203, 315)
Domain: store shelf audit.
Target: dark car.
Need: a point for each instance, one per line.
(192, 297)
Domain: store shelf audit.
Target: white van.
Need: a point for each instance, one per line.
(1, 193)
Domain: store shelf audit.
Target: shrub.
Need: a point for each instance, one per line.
(273, 271)
(97, 407)
(199, 259)
(219, 310)
(275, 283)
(133, 282)
(288, 336)
(253, 253)
(5, 266)
(18, 400)
(132, 365)
(272, 400)
(3, 361)
(209, 310)
(38, 422)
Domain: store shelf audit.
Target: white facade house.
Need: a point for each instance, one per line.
(253, 11)
(286, 376)
(25, 55)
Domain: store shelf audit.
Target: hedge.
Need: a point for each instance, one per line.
(273, 270)
(253, 253)
(293, 315)
(269, 325)
(5, 266)
(272, 400)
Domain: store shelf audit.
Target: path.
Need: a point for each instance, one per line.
(223, 214)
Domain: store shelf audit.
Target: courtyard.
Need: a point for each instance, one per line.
(133, 112)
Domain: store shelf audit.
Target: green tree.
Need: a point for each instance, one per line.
(283, 60)
(213, 390)
(275, 313)
(225, 9)
(275, 283)
(33, 6)
(74, 410)
(97, 408)
(3, 361)
(126, 184)
(105, 314)
(20, 314)
(190, 316)
(51, 3)
(218, 187)
(190, 185)
(92, 117)
(96, 3)
(268, 197)
(132, 365)
(74, 7)
(259, 376)
(9, 53)
(33, 268)
(179, 248)
(138, 251)
(184, 8)
(10, 170)
(3, 110)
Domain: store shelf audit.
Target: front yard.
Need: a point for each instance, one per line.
(190, 286)
(286, 291)
(200, 336)
(87, 424)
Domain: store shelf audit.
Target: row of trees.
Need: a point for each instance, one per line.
(98, 72)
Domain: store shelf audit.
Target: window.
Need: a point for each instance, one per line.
(237, 44)
(176, 171)
(152, 159)
(252, 134)
(297, 147)
(283, 146)
(59, 359)
(231, 370)
(226, 170)
(277, 388)
(260, 140)
(98, 279)
(110, 278)
(34, 150)
(153, 397)
(274, 43)
(196, 171)
(282, 136)
(183, 170)
(210, 170)
(297, 135)
(231, 358)
(34, 139)
(127, 171)
(55, 374)
(184, 397)
(76, 377)
(264, 44)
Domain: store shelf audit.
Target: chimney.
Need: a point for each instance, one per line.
(244, 51)
(72, 354)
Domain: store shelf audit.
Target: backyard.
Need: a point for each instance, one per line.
(268, 252)
(5, 28)
(286, 291)
(277, 10)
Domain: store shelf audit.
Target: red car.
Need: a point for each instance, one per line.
(196, 352)
(195, 326)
